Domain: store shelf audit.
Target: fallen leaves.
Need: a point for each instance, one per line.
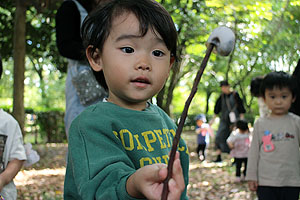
(44, 180)
(207, 180)
(213, 181)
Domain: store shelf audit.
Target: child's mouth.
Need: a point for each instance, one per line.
(141, 81)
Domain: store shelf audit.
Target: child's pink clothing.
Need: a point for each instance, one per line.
(241, 144)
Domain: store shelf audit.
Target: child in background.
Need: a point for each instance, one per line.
(274, 158)
(239, 143)
(255, 91)
(119, 148)
(203, 132)
(12, 153)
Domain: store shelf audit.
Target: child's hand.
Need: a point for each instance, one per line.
(147, 182)
(252, 185)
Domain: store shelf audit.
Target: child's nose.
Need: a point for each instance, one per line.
(144, 67)
(278, 100)
(143, 63)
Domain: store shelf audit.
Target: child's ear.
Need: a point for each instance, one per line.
(172, 61)
(94, 58)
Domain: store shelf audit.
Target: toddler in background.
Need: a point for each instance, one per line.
(203, 130)
(238, 142)
(273, 169)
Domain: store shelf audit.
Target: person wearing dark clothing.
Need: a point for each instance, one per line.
(229, 106)
(295, 108)
(82, 88)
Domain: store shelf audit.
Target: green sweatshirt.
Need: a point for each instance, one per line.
(108, 143)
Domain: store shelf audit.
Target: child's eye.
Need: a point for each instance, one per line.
(127, 49)
(158, 53)
(284, 96)
(272, 97)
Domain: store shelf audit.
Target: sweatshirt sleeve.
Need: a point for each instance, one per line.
(253, 155)
(98, 167)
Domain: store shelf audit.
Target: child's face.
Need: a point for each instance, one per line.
(135, 67)
(279, 100)
(199, 122)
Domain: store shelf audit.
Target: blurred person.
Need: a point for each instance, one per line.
(203, 131)
(255, 91)
(239, 143)
(295, 108)
(82, 89)
(12, 152)
(229, 106)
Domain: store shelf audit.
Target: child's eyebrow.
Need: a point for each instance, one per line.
(131, 36)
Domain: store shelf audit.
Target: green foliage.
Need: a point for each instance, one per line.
(267, 38)
(51, 124)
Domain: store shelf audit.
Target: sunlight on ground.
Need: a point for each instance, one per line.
(27, 177)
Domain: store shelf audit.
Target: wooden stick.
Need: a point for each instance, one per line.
(176, 139)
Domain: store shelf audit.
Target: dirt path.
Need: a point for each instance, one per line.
(208, 180)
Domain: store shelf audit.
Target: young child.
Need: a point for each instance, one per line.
(203, 132)
(274, 158)
(239, 143)
(119, 149)
(255, 91)
(12, 153)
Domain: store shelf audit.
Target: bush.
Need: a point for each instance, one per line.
(47, 125)
(51, 126)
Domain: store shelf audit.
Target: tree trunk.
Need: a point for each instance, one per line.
(173, 82)
(208, 94)
(160, 97)
(19, 62)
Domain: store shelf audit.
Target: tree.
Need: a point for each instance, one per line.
(19, 62)
(38, 18)
(265, 36)
(267, 39)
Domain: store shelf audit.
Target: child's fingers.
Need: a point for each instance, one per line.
(178, 174)
(252, 185)
(176, 183)
(155, 173)
(174, 193)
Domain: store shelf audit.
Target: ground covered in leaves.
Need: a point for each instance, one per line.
(208, 180)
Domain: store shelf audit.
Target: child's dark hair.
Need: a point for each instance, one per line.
(278, 80)
(242, 125)
(255, 86)
(151, 15)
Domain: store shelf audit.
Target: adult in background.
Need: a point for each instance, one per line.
(295, 108)
(229, 106)
(82, 88)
